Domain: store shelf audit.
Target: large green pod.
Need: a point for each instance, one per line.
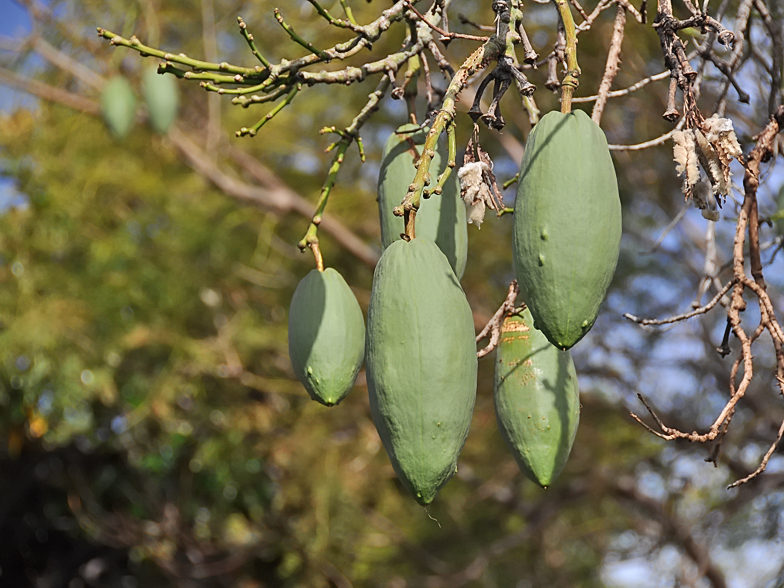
(442, 217)
(118, 105)
(421, 364)
(567, 225)
(537, 402)
(162, 98)
(326, 336)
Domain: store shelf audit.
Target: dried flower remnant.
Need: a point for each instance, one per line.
(475, 191)
(704, 199)
(478, 185)
(685, 156)
(713, 145)
(719, 131)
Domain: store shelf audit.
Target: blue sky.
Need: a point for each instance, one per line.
(14, 22)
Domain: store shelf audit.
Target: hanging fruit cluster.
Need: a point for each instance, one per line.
(161, 97)
(420, 353)
(566, 235)
(419, 348)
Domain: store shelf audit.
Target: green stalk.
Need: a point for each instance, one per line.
(348, 11)
(450, 164)
(270, 115)
(251, 43)
(311, 236)
(572, 78)
(476, 61)
(297, 39)
(145, 50)
(347, 136)
(410, 80)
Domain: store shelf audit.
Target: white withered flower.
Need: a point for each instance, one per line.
(713, 145)
(685, 155)
(475, 191)
(720, 131)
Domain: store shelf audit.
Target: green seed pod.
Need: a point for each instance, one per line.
(326, 336)
(537, 402)
(162, 97)
(780, 220)
(567, 225)
(118, 105)
(421, 364)
(442, 217)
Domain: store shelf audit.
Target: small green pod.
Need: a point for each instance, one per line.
(162, 98)
(780, 219)
(442, 217)
(537, 402)
(118, 105)
(326, 336)
(421, 364)
(567, 225)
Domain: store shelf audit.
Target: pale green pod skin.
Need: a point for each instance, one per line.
(162, 97)
(780, 221)
(421, 364)
(537, 402)
(118, 105)
(440, 218)
(567, 225)
(326, 336)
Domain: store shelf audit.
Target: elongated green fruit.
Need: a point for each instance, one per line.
(421, 364)
(162, 98)
(442, 217)
(118, 105)
(567, 225)
(537, 402)
(326, 336)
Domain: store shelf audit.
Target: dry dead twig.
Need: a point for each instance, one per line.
(493, 327)
(740, 283)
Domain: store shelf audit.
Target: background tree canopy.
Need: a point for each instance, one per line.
(152, 432)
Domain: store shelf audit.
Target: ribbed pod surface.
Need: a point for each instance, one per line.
(567, 225)
(326, 336)
(537, 402)
(421, 364)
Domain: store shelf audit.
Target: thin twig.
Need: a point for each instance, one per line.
(645, 145)
(765, 143)
(493, 327)
(625, 91)
(764, 463)
(682, 317)
(443, 33)
(611, 68)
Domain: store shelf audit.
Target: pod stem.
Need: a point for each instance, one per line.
(314, 247)
(475, 62)
(347, 136)
(572, 78)
(450, 164)
(311, 235)
(410, 80)
(349, 12)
